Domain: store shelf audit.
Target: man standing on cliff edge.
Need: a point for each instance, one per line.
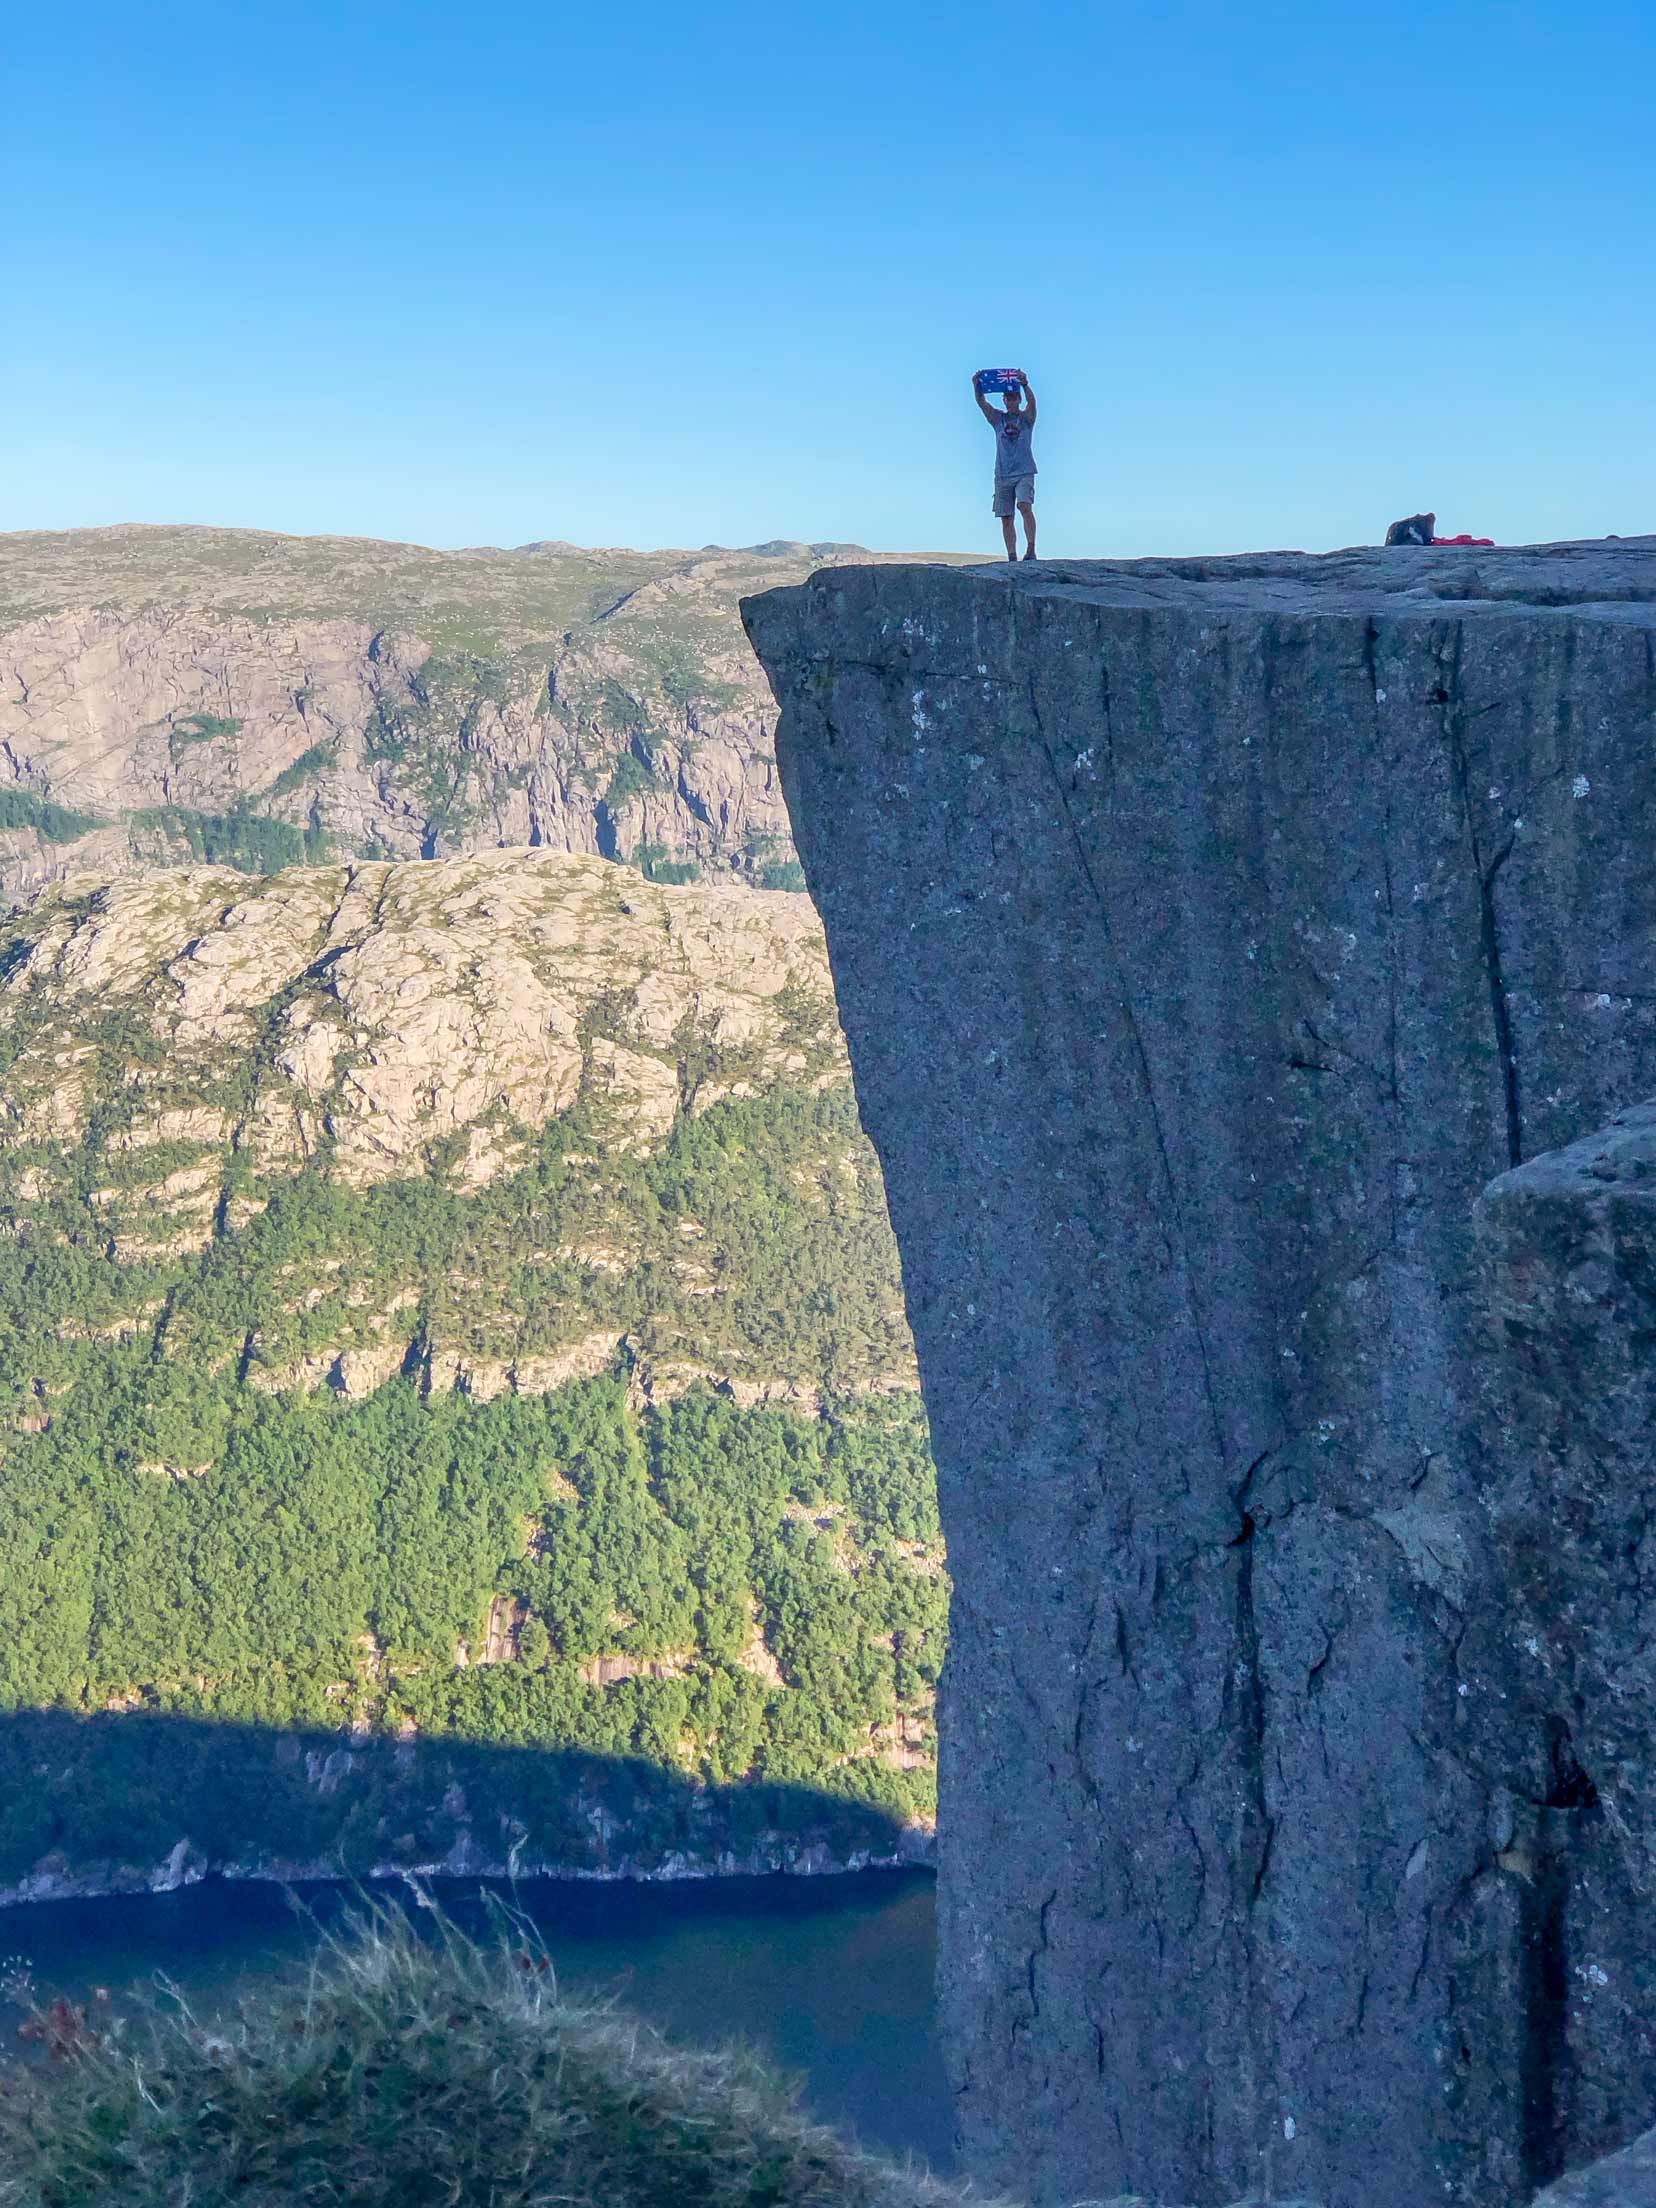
(1013, 426)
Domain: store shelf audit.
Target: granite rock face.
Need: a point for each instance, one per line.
(231, 693)
(1624, 2180)
(1208, 934)
(385, 1008)
(1568, 1292)
(182, 1053)
(1569, 1245)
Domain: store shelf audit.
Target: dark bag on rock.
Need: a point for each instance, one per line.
(1418, 529)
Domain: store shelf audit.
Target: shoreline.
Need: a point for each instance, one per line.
(185, 1866)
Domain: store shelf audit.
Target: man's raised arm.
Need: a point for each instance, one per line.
(1029, 394)
(984, 408)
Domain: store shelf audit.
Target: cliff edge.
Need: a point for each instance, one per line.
(1208, 934)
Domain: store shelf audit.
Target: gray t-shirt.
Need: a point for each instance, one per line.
(1014, 454)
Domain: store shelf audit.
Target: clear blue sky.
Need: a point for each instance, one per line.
(640, 273)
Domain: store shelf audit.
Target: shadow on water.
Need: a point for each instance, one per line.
(829, 1976)
(107, 1799)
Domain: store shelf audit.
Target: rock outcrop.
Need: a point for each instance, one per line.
(1624, 2180)
(1568, 1298)
(1208, 935)
(365, 1013)
(1569, 1245)
(221, 693)
(180, 1051)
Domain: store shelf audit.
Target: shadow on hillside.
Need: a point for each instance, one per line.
(118, 1801)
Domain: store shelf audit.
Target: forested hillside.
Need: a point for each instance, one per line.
(453, 1302)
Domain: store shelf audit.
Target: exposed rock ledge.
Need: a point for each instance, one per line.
(1208, 934)
(376, 1009)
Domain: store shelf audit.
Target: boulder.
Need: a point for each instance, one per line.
(1567, 1244)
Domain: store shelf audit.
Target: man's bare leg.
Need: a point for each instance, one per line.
(1028, 513)
(1009, 530)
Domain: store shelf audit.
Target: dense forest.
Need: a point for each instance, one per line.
(208, 1516)
(729, 1595)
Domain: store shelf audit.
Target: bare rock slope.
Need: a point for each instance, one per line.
(1208, 935)
(177, 1048)
(387, 1008)
(174, 692)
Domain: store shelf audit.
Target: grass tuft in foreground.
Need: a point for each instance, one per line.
(426, 2075)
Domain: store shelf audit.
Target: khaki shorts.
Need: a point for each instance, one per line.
(1010, 491)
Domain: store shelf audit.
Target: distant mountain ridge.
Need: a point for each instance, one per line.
(258, 700)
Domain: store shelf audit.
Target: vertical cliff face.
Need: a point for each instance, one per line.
(1565, 1309)
(1208, 934)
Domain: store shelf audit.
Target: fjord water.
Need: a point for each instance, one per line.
(830, 1978)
